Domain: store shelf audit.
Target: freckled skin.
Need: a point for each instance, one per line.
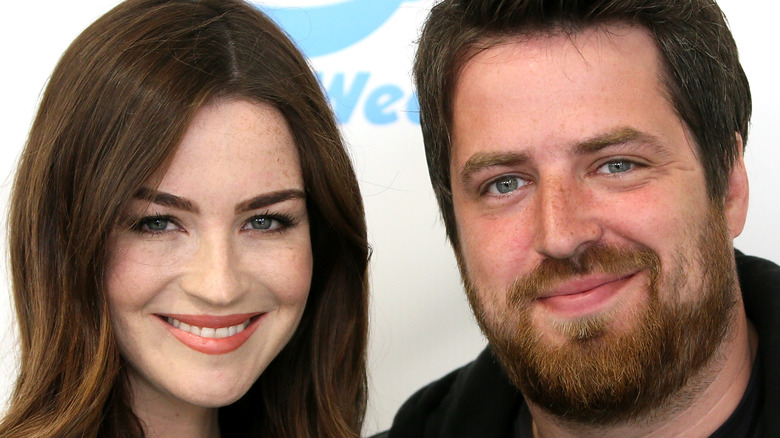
(542, 97)
(212, 262)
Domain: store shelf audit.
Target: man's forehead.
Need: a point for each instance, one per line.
(526, 72)
(586, 44)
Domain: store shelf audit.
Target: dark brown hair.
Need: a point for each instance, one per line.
(701, 71)
(115, 109)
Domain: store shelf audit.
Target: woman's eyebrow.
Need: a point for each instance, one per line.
(165, 199)
(267, 199)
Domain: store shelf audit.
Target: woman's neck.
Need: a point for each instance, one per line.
(175, 423)
(162, 416)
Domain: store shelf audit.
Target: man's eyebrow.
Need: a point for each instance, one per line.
(165, 199)
(267, 199)
(484, 160)
(617, 137)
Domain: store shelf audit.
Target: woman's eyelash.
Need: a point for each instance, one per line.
(158, 224)
(284, 221)
(155, 224)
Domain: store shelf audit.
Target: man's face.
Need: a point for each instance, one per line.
(592, 256)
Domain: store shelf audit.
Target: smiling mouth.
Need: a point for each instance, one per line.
(580, 298)
(209, 332)
(212, 334)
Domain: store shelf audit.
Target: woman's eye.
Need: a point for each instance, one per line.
(261, 223)
(155, 224)
(505, 184)
(268, 223)
(616, 166)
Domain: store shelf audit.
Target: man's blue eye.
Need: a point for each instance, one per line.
(618, 166)
(504, 185)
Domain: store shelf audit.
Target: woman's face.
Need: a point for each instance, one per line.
(209, 273)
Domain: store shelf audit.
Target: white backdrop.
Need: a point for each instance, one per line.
(421, 326)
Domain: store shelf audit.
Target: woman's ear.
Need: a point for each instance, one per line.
(737, 194)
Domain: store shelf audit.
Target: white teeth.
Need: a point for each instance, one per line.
(208, 332)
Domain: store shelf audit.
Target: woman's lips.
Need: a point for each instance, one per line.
(211, 321)
(209, 332)
(212, 334)
(580, 297)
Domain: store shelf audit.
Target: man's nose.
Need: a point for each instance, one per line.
(214, 274)
(566, 219)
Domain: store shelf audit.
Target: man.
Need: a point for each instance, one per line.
(587, 157)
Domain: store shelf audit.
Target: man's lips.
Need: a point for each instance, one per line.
(581, 296)
(582, 285)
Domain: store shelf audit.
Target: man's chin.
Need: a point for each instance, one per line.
(584, 368)
(608, 325)
(588, 329)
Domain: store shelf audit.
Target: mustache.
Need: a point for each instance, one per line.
(604, 259)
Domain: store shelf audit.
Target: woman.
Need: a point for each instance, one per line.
(188, 247)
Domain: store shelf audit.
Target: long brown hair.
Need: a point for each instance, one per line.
(116, 107)
(700, 69)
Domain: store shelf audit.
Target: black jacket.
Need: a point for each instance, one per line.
(479, 401)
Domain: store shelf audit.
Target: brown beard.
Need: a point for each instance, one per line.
(605, 376)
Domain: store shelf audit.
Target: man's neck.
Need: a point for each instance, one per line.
(702, 406)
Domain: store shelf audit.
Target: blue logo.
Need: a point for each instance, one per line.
(323, 30)
(320, 30)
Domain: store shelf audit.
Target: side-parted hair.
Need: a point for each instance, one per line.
(115, 109)
(700, 70)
